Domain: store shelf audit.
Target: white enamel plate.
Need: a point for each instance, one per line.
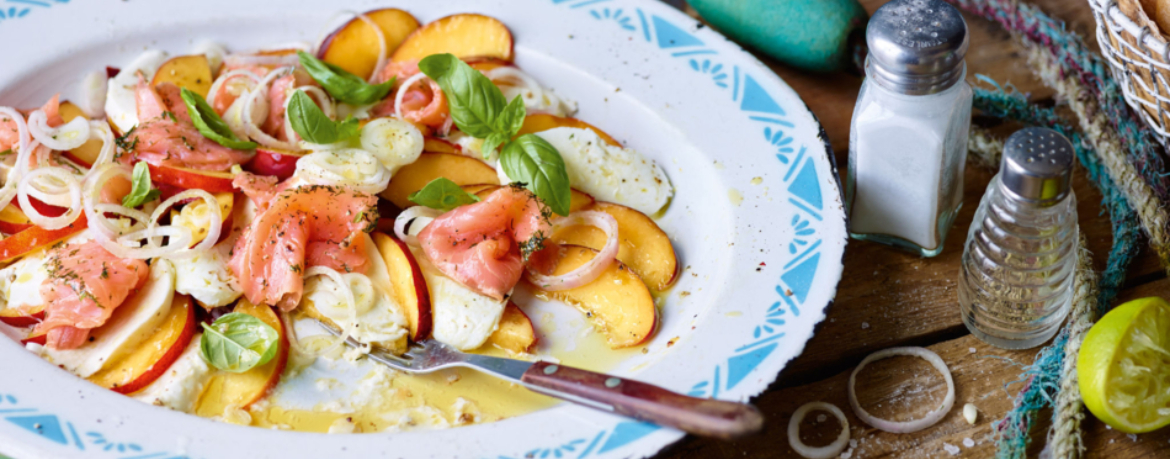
(757, 220)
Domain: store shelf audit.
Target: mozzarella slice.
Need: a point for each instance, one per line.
(606, 172)
(351, 167)
(121, 105)
(462, 318)
(206, 277)
(179, 388)
(134, 320)
(20, 282)
(394, 142)
(380, 319)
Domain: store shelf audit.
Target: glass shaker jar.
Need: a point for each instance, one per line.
(1019, 263)
(908, 139)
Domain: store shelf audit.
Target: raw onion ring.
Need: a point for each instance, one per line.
(73, 188)
(589, 271)
(242, 60)
(101, 130)
(334, 168)
(818, 452)
(214, 227)
(411, 216)
(347, 295)
(405, 86)
(93, 94)
(931, 418)
(213, 93)
(249, 107)
(381, 47)
(21, 127)
(61, 138)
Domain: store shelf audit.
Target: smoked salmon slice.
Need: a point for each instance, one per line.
(423, 103)
(303, 227)
(10, 137)
(86, 283)
(478, 245)
(165, 135)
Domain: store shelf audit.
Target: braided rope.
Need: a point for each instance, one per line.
(1064, 438)
(983, 149)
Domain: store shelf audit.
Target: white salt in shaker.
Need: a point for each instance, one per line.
(908, 140)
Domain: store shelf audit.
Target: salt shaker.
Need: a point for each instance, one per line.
(1016, 277)
(908, 140)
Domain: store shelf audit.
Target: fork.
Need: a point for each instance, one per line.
(611, 394)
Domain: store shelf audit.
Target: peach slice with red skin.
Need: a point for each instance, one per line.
(515, 332)
(88, 152)
(437, 145)
(35, 237)
(192, 72)
(13, 220)
(643, 246)
(240, 390)
(409, 285)
(271, 161)
(463, 170)
(543, 122)
(26, 318)
(618, 303)
(577, 199)
(185, 179)
(354, 45)
(151, 359)
(464, 35)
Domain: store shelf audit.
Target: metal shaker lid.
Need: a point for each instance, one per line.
(1037, 165)
(916, 46)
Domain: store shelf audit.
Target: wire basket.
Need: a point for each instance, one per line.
(1140, 60)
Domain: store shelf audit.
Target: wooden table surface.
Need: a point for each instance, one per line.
(890, 298)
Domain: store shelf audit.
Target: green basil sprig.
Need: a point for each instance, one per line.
(208, 122)
(342, 85)
(442, 194)
(479, 109)
(238, 342)
(142, 191)
(314, 125)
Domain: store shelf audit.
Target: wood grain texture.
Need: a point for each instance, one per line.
(889, 298)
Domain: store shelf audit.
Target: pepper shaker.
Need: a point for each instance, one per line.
(908, 139)
(1018, 267)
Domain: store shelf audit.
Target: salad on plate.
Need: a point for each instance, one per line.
(179, 232)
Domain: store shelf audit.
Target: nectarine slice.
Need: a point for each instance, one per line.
(409, 285)
(617, 302)
(515, 332)
(436, 145)
(13, 220)
(191, 72)
(270, 161)
(354, 46)
(151, 358)
(485, 64)
(35, 237)
(464, 35)
(463, 170)
(577, 199)
(26, 318)
(543, 122)
(88, 152)
(240, 390)
(644, 247)
(186, 179)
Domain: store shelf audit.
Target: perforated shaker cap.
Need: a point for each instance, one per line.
(916, 46)
(1037, 165)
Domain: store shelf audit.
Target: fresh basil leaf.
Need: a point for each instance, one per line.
(238, 342)
(208, 122)
(512, 118)
(342, 85)
(492, 142)
(142, 191)
(474, 101)
(442, 194)
(534, 162)
(314, 126)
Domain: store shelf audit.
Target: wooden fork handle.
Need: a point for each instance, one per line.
(646, 402)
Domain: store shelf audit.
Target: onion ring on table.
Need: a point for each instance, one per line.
(819, 452)
(23, 136)
(213, 93)
(417, 217)
(61, 138)
(931, 418)
(347, 295)
(35, 216)
(249, 115)
(589, 271)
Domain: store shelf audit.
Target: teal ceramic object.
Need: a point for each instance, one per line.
(808, 34)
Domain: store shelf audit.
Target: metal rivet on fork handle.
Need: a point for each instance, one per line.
(550, 369)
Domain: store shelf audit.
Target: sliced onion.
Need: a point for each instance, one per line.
(21, 127)
(347, 295)
(62, 138)
(405, 86)
(93, 94)
(248, 116)
(225, 78)
(513, 74)
(214, 228)
(244, 60)
(381, 47)
(101, 131)
(931, 418)
(357, 169)
(35, 216)
(92, 190)
(417, 217)
(589, 271)
(821, 452)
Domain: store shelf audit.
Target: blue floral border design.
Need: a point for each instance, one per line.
(800, 180)
(794, 284)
